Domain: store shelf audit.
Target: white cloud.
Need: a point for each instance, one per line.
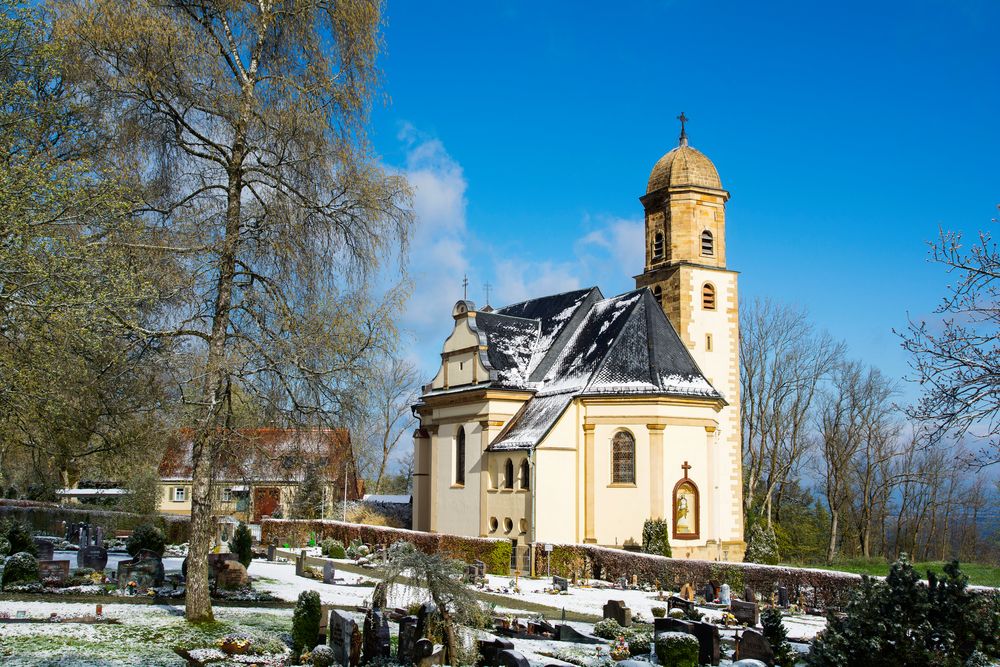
(621, 238)
(519, 280)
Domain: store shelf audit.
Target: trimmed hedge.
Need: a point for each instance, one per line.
(821, 587)
(47, 518)
(494, 552)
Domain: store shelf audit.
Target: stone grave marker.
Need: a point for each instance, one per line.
(725, 594)
(746, 613)
(687, 592)
(407, 640)
(46, 550)
(376, 643)
(146, 570)
(512, 658)
(560, 584)
(329, 574)
(426, 610)
(53, 569)
(753, 646)
(782, 597)
(93, 557)
(231, 575)
(345, 639)
(480, 568)
(471, 574)
(709, 650)
(300, 564)
(272, 552)
(489, 651)
(675, 602)
(748, 594)
(427, 654)
(617, 610)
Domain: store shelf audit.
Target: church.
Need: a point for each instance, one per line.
(574, 417)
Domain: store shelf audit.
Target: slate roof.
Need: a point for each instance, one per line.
(579, 343)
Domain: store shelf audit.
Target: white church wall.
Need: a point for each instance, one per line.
(457, 506)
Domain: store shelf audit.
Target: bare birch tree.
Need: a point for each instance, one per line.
(243, 126)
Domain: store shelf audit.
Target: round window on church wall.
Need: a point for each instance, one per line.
(494, 524)
(508, 525)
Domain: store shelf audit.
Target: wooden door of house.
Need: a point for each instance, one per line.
(265, 501)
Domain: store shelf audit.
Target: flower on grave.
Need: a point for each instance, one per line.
(619, 649)
(150, 592)
(234, 644)
(728, 619)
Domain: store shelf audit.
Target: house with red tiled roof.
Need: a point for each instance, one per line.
(258, 472)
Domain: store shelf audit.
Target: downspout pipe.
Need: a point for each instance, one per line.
(534, 514)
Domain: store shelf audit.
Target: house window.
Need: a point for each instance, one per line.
(623, 458)
(658, 294)
(686, 514)
(525, 474)
(708, 342)
(508, 475)
(658, 245)
(708, 296)
(227, 495)
(707, 244)
(460, 456)
(180, 494)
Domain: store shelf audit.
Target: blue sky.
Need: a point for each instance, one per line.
(847, 134)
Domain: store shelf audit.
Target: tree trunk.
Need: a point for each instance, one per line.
(832, 551)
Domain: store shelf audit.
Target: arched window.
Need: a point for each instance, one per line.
(658, 294)
(707, 244)
(658, 245)
(508, 475)
(686, 511)
(623, 458)
(460, 456)
(525, 474)
(708, 296)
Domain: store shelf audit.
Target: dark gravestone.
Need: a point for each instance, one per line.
(480, 568)
(146, 570)
(709, 651)
(566, 633)
(782, 597)
(376, 644)
(471, 574)
(753, 646)
(328, 573)
(57, 570)
(93, 557)
(512, 658)
(489, 651)
(748, 594)
(423, 649)
(617, 610)
(746, 613)
(424, 614)
(407, 640)
(667, 624)
(272, 552)
(231, 576)
(46, 550)
(345, 639)
(300, 564)
(560, 584)
(675, 602)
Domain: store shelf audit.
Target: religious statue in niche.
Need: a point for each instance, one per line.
(686, 507)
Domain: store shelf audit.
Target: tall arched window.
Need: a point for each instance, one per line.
(658, 294)
(686, 511)
(707, 244)
(623, 458)
(508, 475)
(658, 245)
(708, 296)
(460, 456)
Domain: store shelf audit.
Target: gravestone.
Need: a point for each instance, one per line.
(560, 584)
(674, 602)
(328, 573)
(407, 640)
(424, 614)
(300, 564)
(687, 592)
(754, 646)
(709, 651)
(425, 654)
(53, 569)
(376, 644)
(782, 597)
(617, 610)
(480, 568)
(231, 575)
(667, 624)
(471, 574)
(725, 594)
(345, 639)
(512, 658)
(748, 594)
(93, 557)
(272, 552)
(746, 613)
(146, 570)
(46, 550)
(489, 651)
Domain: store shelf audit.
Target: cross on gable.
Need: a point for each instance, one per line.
(465, 287)
(686, 467)
(683, 138)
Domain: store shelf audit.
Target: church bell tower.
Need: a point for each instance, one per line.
(685, 213)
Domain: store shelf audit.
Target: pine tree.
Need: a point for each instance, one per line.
(308, 503)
